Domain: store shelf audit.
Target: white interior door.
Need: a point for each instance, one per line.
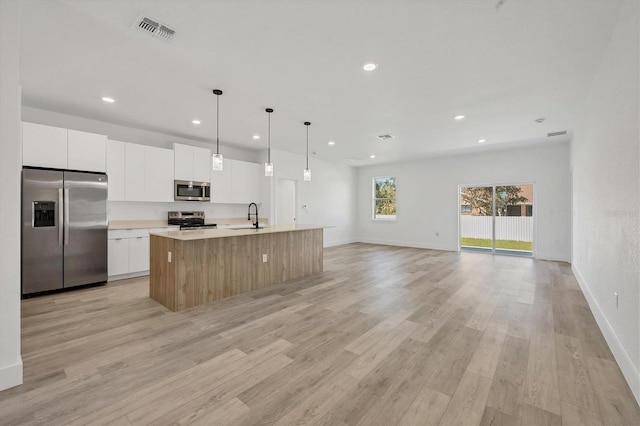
(286, 202)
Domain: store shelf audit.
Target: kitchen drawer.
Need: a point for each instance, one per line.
(128, 233)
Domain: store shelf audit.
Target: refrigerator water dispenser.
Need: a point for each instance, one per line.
(44, 214)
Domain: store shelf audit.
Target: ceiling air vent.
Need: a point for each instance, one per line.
(385, 137)
(564, 132)
(154, 28)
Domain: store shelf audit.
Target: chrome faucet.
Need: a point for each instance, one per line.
(256, 214)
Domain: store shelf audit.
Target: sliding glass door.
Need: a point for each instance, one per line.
(476, 218)
(497, 219)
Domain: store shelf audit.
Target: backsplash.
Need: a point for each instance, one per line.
(133, 210)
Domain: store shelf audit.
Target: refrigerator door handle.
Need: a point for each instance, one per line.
(66, 216)
(60, 214)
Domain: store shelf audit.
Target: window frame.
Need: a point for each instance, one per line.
(374, 199)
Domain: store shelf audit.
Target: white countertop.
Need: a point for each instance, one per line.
(141, 224)
(223, 233)
(137, 224)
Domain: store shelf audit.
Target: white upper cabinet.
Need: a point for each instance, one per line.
(192, 163)
(239, 182)
(116, 170)
(134, 166)
(48, 146)
(86, 151)
(183, 160)
(201, 164)
(139, 172)
(245, 182)
(221, 183)
(254, 172)
(44, 146)
(158, 174)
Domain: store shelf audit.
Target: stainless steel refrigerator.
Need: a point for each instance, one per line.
(64, 229)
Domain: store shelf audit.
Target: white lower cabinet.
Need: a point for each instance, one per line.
(139, 254)
(128, 251)
(118, 256)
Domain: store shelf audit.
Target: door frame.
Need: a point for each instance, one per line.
(534, 253)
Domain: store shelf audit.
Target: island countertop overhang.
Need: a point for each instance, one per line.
(225, 233)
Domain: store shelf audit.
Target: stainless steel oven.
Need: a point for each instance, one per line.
(185, 190)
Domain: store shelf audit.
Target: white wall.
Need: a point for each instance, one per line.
(329, 197)
(606, 181)
(427, 197)
(10, 167)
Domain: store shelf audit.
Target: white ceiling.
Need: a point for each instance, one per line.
(502, 67)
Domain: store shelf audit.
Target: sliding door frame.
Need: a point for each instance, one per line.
(534, 253)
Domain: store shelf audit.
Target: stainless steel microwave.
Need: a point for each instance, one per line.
(185, 190)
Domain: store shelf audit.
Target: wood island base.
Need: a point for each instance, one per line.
(187, 272)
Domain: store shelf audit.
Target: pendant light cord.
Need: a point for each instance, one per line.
(307, 147)
(269, 150)
(217, 124)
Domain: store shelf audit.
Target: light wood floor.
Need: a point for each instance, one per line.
(384, 336)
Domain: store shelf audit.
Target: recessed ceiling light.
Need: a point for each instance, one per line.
(108, 100)
(196, 121)
(332, 143)
(370, 67)
(256, 137)
(372, 156)
(459, 117)
(482, 140)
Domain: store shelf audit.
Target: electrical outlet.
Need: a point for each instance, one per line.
(264, 258)
(616, 296)
(169, 256)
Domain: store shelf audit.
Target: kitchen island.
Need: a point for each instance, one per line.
(190, 268)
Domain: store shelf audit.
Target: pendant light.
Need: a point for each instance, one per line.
(216, 159)
(268, 166)
(307, 171)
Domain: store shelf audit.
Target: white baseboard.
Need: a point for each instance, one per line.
(553, 257)
(127, 276)
(406, 244)
(11, 375)
(339, 242)
(622, 357)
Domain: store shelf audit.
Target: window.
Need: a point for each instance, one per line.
(465, 209)
(384, 198)
(514, 210)
(529, 210)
